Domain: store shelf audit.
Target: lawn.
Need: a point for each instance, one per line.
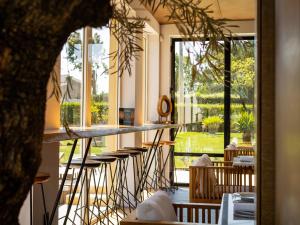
(66, 146)
(199, 142)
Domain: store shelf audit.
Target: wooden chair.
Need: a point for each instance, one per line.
(208, 183)
(229, 153)
(187, 213)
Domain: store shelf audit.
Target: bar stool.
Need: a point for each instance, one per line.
(40, 179)
(157, 163)
(141, 170)
(89, 175)
(167, 182)
(121, 179)
(105, 168)
(135, 156)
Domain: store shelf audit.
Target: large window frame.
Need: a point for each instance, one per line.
(227, 99)
(86, 87)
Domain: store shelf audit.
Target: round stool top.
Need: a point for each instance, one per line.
(41, 177)
(76, 163)
(149, 144)
(141, 149)
(168, 142)
(119, 155)
(130, 152)
(103, 158)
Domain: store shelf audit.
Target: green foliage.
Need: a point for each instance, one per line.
(217, 97)
(213, 123)
(99, 112)
(217, 109)
(71, 111)
(245, 122)
(73, 43)
(243, 77)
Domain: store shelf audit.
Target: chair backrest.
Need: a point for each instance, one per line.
(187, 213)
(229, 153)
(227, 179)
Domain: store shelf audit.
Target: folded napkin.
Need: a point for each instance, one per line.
(246, 158)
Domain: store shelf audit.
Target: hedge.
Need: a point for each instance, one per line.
(99, 112)
(218, 98)
(218, 109)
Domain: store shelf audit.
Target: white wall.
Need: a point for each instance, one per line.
(132, 88)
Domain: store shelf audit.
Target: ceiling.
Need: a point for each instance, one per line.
(229, 9)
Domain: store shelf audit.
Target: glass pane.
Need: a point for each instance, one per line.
(99, 61)
(199, 101)
(71, 84)
(242, 93)
(71, 79)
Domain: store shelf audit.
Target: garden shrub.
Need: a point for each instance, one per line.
(212, 123)
(71, 110)
(245, 122)
(217, 109)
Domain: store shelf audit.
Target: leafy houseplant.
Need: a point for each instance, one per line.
(212, 123)
(245, 124)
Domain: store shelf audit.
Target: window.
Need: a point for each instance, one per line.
(242, 94)
(99, 61)
(71, 85)
(85, 85)
(216, 111)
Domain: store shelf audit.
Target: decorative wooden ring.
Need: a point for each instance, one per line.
(165, 99)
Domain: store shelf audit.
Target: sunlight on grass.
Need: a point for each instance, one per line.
(199, 142)
(66, 146)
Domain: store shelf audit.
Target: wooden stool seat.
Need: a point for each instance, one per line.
(76, 163)
(118, 155)
(41, 177)
(130, 152)
(141, 149)
(149, 144)
(169, 143)
(103, 158)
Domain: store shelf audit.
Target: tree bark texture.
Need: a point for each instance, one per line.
(32, 34)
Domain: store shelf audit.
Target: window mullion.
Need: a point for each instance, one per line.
(227, 92)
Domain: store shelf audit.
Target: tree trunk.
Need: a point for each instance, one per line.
(32, 34)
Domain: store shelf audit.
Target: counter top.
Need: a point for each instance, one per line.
(97, 131)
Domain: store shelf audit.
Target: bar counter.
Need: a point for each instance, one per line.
(89, 133)
(98, 131)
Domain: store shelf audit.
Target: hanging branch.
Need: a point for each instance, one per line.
(205, 33)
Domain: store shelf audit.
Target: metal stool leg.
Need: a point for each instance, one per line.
(46, 214)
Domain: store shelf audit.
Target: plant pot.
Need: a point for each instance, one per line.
(247, 137)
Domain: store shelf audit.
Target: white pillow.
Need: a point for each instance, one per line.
(204, 160)
(157, 208)
(149, 210)
(165, 202)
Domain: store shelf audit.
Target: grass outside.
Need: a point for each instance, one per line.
(199, 142)
(66, 146)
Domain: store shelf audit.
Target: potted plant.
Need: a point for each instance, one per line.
(212, 123)
(245, 124)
